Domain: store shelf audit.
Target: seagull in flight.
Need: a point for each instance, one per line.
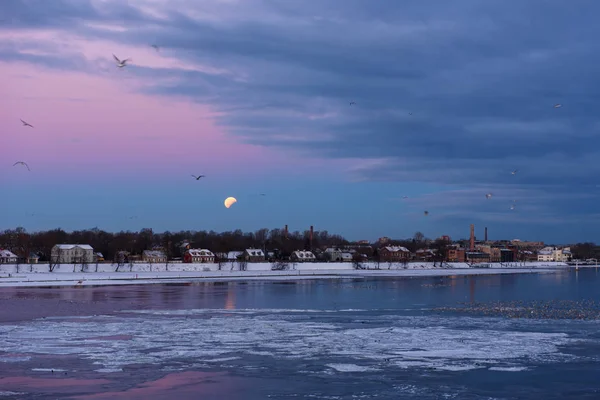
(557, 105)
(409, 113)
(512, 206)
(26, 123)
(262, 194)
(426, 213)
(488, 196)
(156, 47)
(405, 197)
(22, 163)
(352, 102)
(120, 63)
(198, 177)
(514, 172)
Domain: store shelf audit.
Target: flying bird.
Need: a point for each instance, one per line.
(156, 47)
(405, 197)
(262, 194)
(409, 113)
(22, 163)
(352, 102)
(512, 206)
(488, 196)
(26, 123)
(120, 63)
(426, 213)
(557, 105)
(198, 177)
(514, 172)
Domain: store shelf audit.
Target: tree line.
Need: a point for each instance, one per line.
(22, 243)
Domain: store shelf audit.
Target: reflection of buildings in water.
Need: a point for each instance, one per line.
(507, 280)
(230, 298)
(472, 290)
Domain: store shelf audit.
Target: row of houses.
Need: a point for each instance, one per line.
(488, 253)
(82, 253)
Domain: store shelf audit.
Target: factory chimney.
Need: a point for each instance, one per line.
(285, 231)
(310, 238)
(485, 235)
(472, 238)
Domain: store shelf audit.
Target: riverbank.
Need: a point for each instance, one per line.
(60, 277)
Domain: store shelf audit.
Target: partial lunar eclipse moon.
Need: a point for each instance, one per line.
(229, 201)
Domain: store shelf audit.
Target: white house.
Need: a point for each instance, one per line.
(333, 254)
(72, 253)
(554, 254)
(198, 256)
(301, 255)
(154, 256)
(254, 255)
(7, 257)
(346, 257)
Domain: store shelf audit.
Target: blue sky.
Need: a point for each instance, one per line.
(450, 98)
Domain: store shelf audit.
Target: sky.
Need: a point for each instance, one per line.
(450, 97)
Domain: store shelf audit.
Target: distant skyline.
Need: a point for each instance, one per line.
(448, 99)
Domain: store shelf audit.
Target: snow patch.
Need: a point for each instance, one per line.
(48, 370)
(509, 369)
(350, 368)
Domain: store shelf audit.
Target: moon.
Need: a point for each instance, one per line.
(229, 201)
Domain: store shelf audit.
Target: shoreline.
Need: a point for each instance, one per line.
(78, 279)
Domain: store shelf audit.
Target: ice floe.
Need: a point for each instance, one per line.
(387, 341)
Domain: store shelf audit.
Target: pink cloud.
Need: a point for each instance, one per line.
(94, 123)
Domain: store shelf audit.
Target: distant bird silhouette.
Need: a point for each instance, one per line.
(514, 172)
(512, 206)
(199, 177)
(120, 63)
(133, 217)
(557, 105)
(352, 102)
(409, 113)
(262, 194)
(405, 197)
(26, 123)
(156, 47)
(22, 163)
(488, 196)
(426, 213)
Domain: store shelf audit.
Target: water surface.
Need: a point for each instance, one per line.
(340, 339)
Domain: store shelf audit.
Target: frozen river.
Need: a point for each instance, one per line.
(384, 338)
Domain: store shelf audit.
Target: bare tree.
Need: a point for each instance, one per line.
(441, 251)
(356, 261)
(418, 237)
(280, 265)
(85, 261)
(167, 254)
(119, 265)
(55, 259)
(242, 264)
(221, 260)
(18, 263)
(377, 260)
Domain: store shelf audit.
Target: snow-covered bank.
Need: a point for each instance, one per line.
(64, 275)
(249, 267)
